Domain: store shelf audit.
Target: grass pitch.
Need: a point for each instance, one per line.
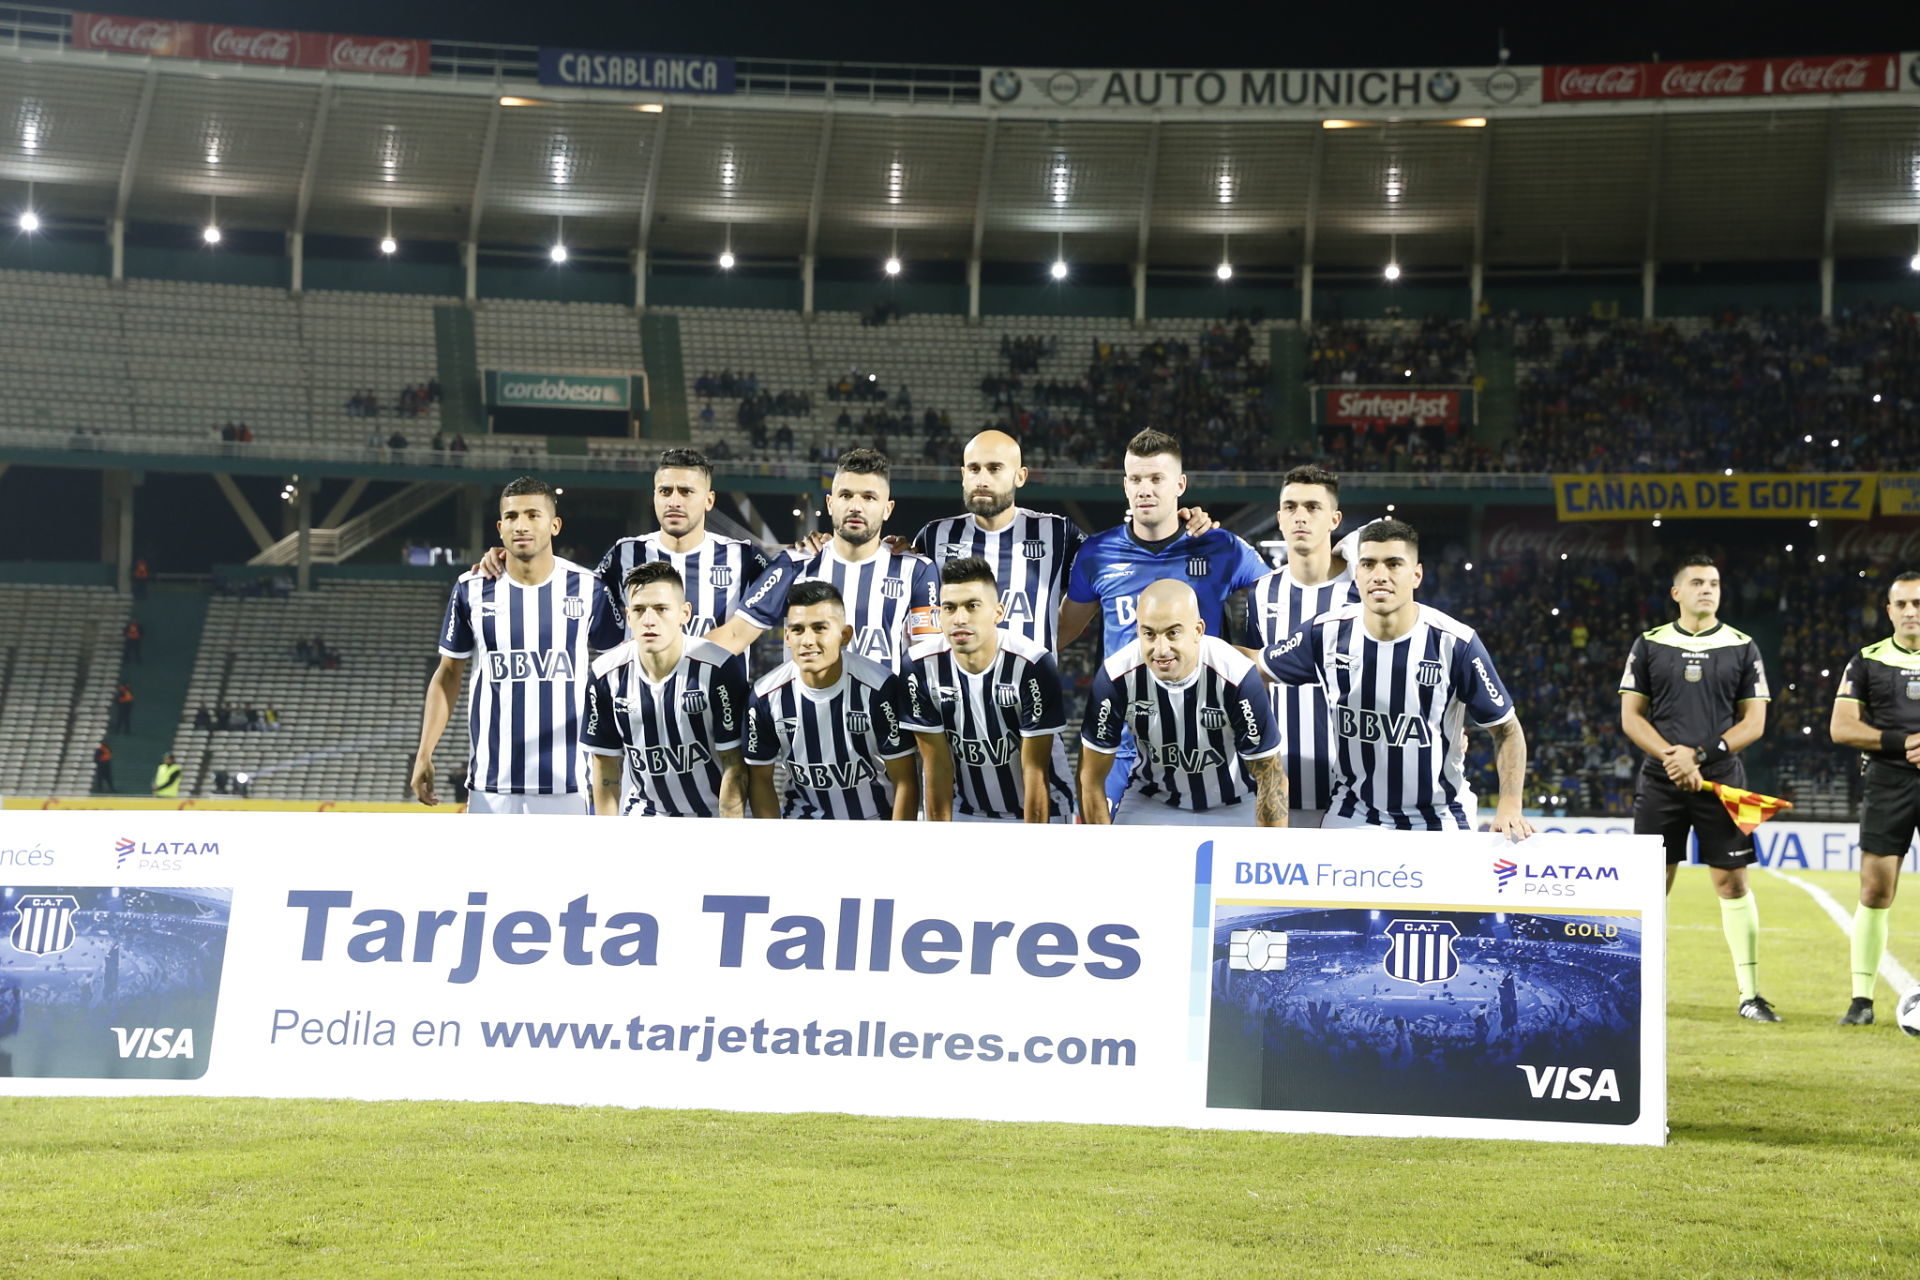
(1793, 1154)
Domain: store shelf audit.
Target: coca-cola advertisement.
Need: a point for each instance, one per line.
(147, 37)
(1882, 541)
(261, 46)
(1512, 534)
(1726, 78)
(1415, 406)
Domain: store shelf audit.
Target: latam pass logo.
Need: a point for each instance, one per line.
(1504, 870)
(160, 855)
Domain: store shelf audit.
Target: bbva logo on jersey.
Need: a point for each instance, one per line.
(530, 664)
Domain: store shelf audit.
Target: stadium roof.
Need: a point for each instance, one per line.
(845, 162)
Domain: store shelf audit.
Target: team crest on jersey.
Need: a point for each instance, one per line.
(574, 607)
(694, 701)
(894, 588)
(45, 926)
(859, 722)
(1695, 673)
(1213, 717)
(1033, 548)
(1006, 695)
(1197, 566)
(952, 550)
(721, 575)
(1421, 951)
(1913, 688)
(1430, 673)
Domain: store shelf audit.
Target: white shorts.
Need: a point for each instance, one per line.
(503, 802)
(1334, 821)
(1151, 813)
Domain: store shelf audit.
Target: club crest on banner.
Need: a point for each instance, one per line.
(45, 926)
(1421, 951)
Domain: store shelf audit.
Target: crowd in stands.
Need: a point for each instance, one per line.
(233, 433)
(316, 654)
(1420, 353)
(411, 402)
(279, 586)
(247, 719)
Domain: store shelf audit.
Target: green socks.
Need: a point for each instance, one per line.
(1869, 944)
(1740, 921)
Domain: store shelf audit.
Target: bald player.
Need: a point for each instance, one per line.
(1031, 552)
(1209, 748)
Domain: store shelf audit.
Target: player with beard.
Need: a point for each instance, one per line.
(889, 594)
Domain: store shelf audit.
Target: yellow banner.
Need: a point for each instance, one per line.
(1900, 495)
(1846, 496)
(218, 802)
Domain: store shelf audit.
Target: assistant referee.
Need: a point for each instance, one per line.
(1877, 710)
(1693, 696)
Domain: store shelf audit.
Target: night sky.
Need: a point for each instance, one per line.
(1340, 33)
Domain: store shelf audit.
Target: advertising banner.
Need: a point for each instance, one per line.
(1515, 533)
(1783, 844)
(642, 72)
(1891, 542)
(259, 46)
(1427, 406)
(516, 389)
(1726, 78)
(1840, 496)
(1900, 495)
(1366, 982)
(1467, 89)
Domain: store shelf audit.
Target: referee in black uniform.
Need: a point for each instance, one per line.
(1877, 710)
(1693, 696)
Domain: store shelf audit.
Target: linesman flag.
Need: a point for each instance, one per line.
(1748, 809)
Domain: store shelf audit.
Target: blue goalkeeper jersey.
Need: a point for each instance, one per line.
(1114, 567)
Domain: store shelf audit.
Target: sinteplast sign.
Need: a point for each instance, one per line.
(522, 389)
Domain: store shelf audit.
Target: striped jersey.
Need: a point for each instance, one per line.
(836, 741)
(890, 598)
(670, 732)
(1195, 736)
(1114, 567)
(987, 717)
(1400, 709)
(1281, 606)
(1031, 559)
(530, 650)
(717, 573)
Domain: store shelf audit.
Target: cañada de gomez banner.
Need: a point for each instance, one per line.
(1714, 496)
(256, 46)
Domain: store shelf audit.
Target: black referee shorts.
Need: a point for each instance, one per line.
(1890, 813)
(1664, 810)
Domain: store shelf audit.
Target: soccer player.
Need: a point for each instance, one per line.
(672, 708)
(889, 594)
(1116, 565)
(533, 630)
(985, 704)
(1209, 750)
(1693, 696)
(837, 719)
(1030, 552)
(1877, 711)
(1403, 679)
(1315, 579)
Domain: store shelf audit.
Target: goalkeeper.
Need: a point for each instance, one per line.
(1693, 696)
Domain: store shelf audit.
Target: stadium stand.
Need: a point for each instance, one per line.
(345, 733)
(59, 660)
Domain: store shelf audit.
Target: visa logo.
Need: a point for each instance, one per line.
(154, 1042)
(1573, 1084)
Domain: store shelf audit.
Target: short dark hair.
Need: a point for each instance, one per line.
(532, 486)
(1311, 474)
(648, 572)
(1390, 530)
(812, 593)
(865, 462)
(1151, 444)
(687, 459)
(968, 569)
(1698, 560)
(1905, 575)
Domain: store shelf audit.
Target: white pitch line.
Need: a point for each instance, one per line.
(1892, 970)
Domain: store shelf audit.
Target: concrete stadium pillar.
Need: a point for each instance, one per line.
(303, 575)
(470, 259)
(1648, 270)
(297, 253)
(1139, 295)
(117, 242)
(116, 525)
(1306, 294)
(639, 279)
(1477, 289)
(973, 290)
(806, 284)
(1826, 287)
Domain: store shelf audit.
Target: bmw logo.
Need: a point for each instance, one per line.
(1443, 86)
(1005, 85)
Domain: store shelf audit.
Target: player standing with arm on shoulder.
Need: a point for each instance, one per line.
(1209, 751)
(533, 631)
(1693, 696)
(667, 710)
(986, 707)
(1315, 579)
(1403, 679)
(835, 717)
(1877, 712)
